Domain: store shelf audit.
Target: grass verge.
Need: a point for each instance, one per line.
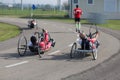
(112, 24)
(8, 31)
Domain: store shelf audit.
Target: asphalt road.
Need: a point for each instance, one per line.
(56, 63)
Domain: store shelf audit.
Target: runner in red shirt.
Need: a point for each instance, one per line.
(77, 15)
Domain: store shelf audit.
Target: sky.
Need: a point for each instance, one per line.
(52, 2)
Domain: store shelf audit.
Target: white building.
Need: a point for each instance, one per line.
(110, 8)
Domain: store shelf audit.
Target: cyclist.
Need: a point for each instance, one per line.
(86, 41)
(46, 36)
(45, 41)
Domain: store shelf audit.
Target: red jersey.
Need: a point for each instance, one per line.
(92, 41)
(42, 45)
(77, 12)
(46, 37)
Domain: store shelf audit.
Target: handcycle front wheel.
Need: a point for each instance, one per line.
(94, 53)
(73, 48)
(39, 51)
(22, 46)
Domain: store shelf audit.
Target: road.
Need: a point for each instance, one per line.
(56, 63)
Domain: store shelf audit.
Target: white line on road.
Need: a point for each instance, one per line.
(54, 52)
(70, 45)
(16, 64)
(70, 29)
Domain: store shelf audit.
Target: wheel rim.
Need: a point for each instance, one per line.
(22, 45)
(95, 54)
(72, 53)
(39, 51)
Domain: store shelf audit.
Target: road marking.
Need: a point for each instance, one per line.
(70, 45)
(16, 64)
(54, 52)
(70, 29)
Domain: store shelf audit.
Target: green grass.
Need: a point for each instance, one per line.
(8, 31)
(27, 12)
(112, 24)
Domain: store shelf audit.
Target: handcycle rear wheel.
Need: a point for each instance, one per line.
(74, 47)
(22, 46)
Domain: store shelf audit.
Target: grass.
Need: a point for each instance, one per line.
(112, 24)
(27, 12)
(8, 31)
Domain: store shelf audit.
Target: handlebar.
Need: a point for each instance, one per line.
(90, 33)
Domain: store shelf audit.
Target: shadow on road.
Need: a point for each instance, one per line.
(16, 55)
(66, 57)
(62, 56)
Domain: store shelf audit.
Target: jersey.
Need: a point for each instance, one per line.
(46, 37)
(42, 45)
(77, 12)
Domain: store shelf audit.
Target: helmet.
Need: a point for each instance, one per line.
(82, 35)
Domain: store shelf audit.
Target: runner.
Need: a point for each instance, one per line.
(77, 15)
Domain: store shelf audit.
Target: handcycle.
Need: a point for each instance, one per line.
(23, 45)
(32, 23)
(86, 46)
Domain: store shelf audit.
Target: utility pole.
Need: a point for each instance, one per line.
(22, 5)
(71, 8)
(59, 4)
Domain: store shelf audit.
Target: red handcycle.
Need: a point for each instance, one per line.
(34, 45)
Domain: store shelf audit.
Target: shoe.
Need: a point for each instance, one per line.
(53, 44)
(78, 31)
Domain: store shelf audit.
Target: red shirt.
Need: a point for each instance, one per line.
(77, 12)
(42, 45)
(46, 37)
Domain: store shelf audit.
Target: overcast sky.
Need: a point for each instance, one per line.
(53, 2)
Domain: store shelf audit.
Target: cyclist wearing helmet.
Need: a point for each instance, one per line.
(86, 41)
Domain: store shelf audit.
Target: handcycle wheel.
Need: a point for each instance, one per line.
(39, 51)
(38, 47)
(22, 46)
(94, 53)
(74, 47)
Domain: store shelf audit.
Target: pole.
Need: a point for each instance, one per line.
(59, 4)
(71, 9)
(22, 5)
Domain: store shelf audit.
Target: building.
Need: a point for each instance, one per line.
(109, 8)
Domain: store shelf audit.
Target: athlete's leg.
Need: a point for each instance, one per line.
(76, 24)
(79, 24)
